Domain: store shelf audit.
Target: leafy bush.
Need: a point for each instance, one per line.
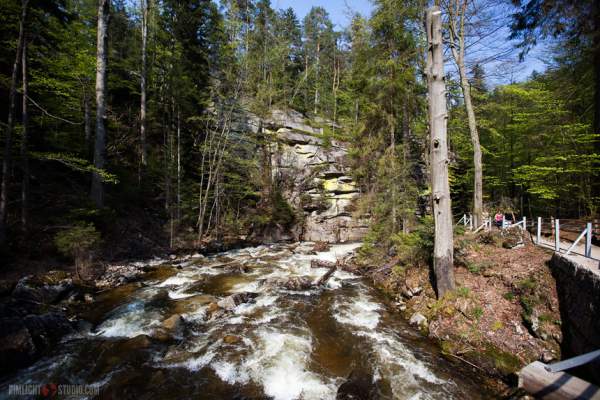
(79, 242)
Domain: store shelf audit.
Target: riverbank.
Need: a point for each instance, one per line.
(503, 315)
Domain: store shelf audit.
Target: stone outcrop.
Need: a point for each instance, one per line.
(316, 179)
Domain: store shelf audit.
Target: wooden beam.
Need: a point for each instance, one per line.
(540, 383)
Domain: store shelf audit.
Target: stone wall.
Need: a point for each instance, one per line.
(578, 287)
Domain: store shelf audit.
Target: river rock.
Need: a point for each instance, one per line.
(47, 329)
(358, 386)
(231, 302)
(169, 328)
(418, 319)
(16, 344)
(231, 339)
(43, 290)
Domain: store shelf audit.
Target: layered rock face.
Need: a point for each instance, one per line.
(315, 179)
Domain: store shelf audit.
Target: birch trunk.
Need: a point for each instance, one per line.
(24, 145)
(457, 15)
(443, 257)
(97, 192)
(10, 126)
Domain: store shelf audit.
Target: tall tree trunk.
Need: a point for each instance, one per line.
(97, 192)
(24, 145)
(477, 163)
(87, 121)
(10, 126)
(178, 166)
(316, 101)
(144, 5)
(457, 39)
(443, 253)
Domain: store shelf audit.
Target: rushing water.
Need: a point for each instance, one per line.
(283, 345)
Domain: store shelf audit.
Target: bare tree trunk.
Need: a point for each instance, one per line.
(24, 145)
(97, 192)
(178, 166)
(87, 121)
(144, 5)
(443, 253)
(317, 77)
(457, 39)
(10, 126)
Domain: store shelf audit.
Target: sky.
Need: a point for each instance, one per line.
(341, 12)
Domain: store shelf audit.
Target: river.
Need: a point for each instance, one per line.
(284, 344)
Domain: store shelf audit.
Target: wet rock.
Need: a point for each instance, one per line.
(358, 386)
(6, 287)
(88, 298)
(305, 248)
(231, 339)
(169, 328)
(117, 275)
(231, 302)
(321, 247)
(47, 329)
(16, 344)
(406, 292)
(418, 319)
(41, 290)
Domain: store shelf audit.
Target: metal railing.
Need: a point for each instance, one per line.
(555, 224)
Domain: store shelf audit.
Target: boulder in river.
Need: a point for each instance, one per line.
(16, 344)
(231, 302)
(47, 289)
(358, 386)
(418, 319)
(24, 339)
(169, 328)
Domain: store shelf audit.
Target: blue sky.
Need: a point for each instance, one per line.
(341, 11)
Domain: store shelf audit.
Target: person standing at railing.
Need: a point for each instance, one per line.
(498, 219)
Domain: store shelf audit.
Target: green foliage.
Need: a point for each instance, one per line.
(77, 241)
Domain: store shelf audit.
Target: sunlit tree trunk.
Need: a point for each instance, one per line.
(443, 253)
(456, 17)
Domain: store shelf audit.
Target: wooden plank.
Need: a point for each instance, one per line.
(540, 383)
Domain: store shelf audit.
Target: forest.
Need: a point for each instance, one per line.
(149, 136)
(227, 198)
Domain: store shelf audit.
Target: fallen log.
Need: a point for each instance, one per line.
(323, 280)
(321, 264)
(542, 384)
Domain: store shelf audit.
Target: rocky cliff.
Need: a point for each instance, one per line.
(313, 174)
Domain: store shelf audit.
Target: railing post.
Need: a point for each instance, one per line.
(503, 221)
(464, 219)
(524, 223)
(557, 235)
(588, 240)
(471, 221)
(539, 230)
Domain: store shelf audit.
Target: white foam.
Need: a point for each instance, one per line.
(279, 364)
(359, 312)
(177, 280)
(130, 324)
